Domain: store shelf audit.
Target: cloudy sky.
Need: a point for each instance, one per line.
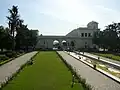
(58, 17)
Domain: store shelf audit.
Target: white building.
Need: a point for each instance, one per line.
(82, 37)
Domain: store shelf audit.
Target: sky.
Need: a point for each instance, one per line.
(59, 17)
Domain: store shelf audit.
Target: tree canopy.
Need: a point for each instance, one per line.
(17, 36)
(109, 38)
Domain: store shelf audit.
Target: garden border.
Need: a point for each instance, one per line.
(10, 59)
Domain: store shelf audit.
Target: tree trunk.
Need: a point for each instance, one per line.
(13, 34)
(13, 40)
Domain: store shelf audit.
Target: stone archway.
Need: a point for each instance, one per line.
(56, 45)
(64, 45)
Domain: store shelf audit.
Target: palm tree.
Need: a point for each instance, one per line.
(13, 21)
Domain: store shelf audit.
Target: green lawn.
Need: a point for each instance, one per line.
(111, 56)
(47, 73)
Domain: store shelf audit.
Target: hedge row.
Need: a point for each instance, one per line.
(7, 55)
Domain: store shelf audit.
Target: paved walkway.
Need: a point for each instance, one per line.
(11, 67)
(93, 77)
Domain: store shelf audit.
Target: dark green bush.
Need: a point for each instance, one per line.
(3, 57)
(18, 53)
(11, 54)
(21, 51)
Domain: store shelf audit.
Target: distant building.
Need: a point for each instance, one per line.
(82, 37)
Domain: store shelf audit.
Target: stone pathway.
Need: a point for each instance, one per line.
(11, 67)
(93, 77)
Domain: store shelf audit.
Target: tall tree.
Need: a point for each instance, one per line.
(21, 37)
(13, 19)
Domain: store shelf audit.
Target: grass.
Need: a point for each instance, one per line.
(106, 69)
(47, 73)
(111, 56)
(3, 62)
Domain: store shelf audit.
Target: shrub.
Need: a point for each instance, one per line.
(11, 54)
(21, 51)
(3, 57)
(3, 52)
(17, 53)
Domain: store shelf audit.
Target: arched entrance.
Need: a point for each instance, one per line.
(64, 45)
(56, 45)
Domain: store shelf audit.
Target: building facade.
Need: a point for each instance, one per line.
(81, 37)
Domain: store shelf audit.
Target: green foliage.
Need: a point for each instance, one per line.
(13, 20)
(21, 51)
(108, 38)
(24, 38)
(3, 57)
(110, 56)
(11, 54)
(5, 38)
